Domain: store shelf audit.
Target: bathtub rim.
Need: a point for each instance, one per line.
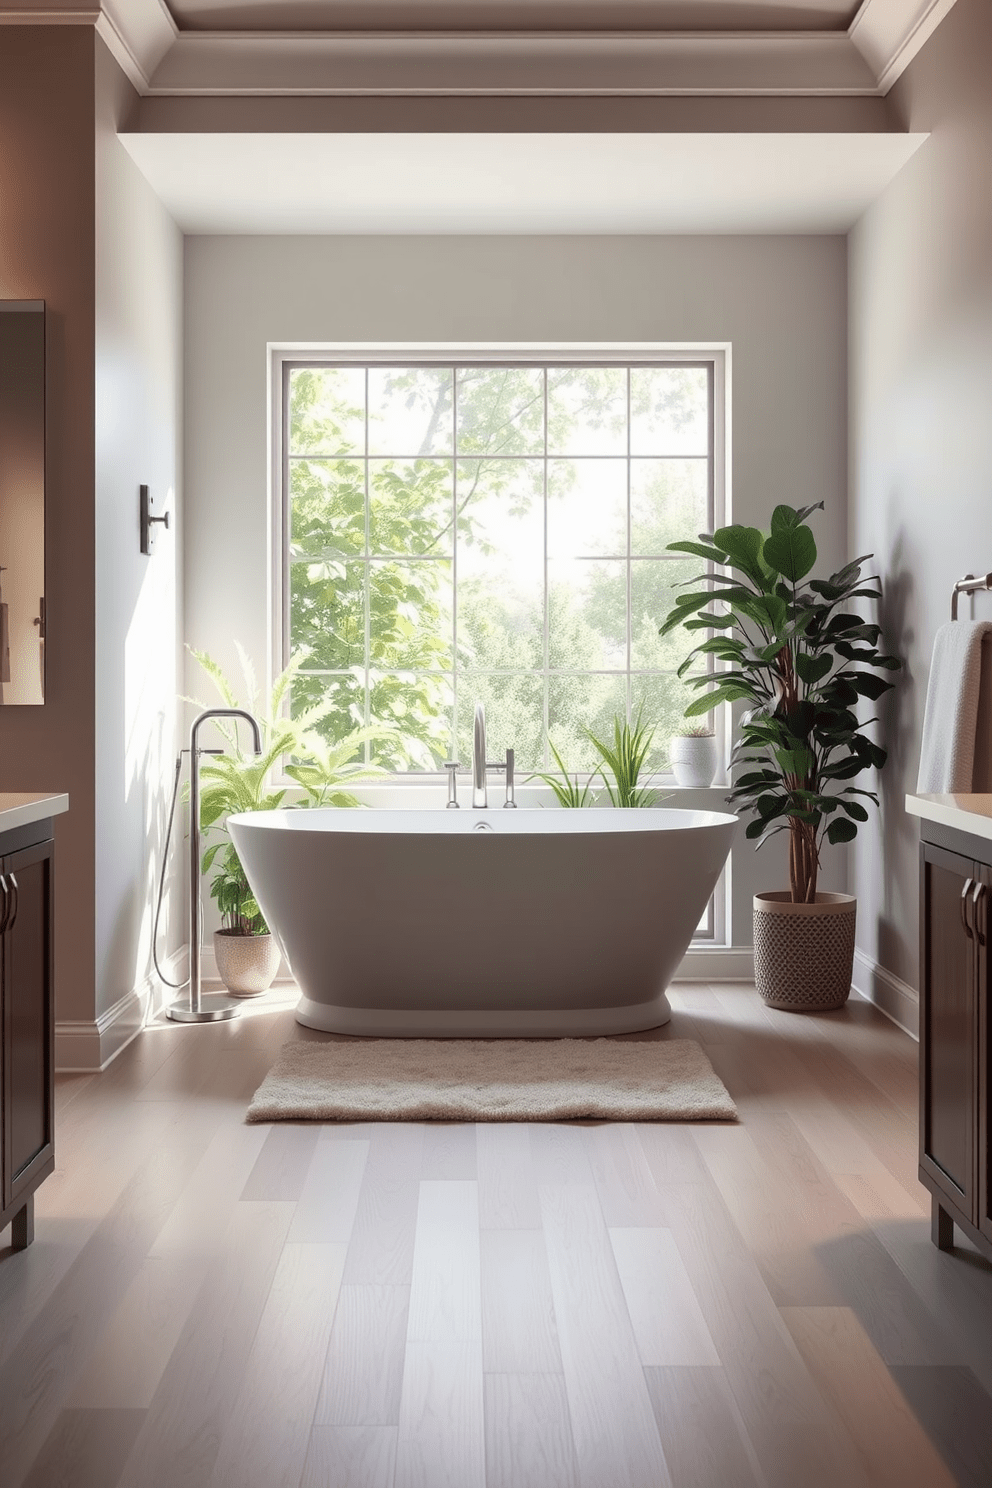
(525, 821)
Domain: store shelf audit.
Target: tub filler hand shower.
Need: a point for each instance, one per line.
(202, 1009)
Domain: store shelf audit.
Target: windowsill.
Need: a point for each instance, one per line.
(433, 794)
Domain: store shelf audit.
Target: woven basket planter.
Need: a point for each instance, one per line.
(804, 953)
(246, 964)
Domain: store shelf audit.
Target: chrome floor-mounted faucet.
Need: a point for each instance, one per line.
(219, 1007)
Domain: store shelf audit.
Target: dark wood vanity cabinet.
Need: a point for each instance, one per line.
(27, 1027)
(955, 1068)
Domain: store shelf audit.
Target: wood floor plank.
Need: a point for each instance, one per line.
(628, 1195)
(810, 1242)
(528, 1432)
(507, 1184)
(264, 1443)
(151, 1283)
(199, 1221)
(449, 1150)
(668, 1324)
(613, 1426)
(796, 1436)
(559, 1153)
(363, 1372)
(350, 1457)
(37, 1378)
(703, 1439)
(181, 1433)
(125, 1368)
(446, 1287)
(956, 1414)
(382, 1237)
(329, 1197)
(440, 1442)
(519, 1333)
(281, 1168)
(894, 1449)
(670, 1152)
(85, 1449)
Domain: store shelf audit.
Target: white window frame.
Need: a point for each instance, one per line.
(423, 787)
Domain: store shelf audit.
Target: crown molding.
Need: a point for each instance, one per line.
(161, 60)
(139, 34)
(889, 33)
(512, 66)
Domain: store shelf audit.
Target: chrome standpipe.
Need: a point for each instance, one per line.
(200, 1009)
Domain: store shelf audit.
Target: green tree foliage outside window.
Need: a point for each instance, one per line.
(491, 533)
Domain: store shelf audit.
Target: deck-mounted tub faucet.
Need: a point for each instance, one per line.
(219, 1007)
(480, 797)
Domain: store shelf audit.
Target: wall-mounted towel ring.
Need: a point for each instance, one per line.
(968, 585)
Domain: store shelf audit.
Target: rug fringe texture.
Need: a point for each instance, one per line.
(492, 1080)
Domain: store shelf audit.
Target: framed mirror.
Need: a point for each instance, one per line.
(22, 502)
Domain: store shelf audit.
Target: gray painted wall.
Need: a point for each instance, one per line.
(139, 284)
(781, 302)
(921, 432)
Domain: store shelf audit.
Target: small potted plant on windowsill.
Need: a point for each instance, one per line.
(693, 758)
(801, 661)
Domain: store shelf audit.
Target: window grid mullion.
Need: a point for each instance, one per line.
(546, 679)
(367, 558)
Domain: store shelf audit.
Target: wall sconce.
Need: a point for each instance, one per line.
(148, 521)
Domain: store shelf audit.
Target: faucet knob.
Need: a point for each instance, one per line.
(452, 768)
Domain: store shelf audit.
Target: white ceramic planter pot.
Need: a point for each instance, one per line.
(246, 964)
(804, 953)
(694, 760)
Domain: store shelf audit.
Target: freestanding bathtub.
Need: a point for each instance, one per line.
(497, 923)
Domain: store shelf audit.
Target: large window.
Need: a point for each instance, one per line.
(458, 532)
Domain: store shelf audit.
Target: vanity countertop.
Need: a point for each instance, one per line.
(23, 808)
(967, 813)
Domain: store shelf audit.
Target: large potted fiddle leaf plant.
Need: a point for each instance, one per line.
(801, 660)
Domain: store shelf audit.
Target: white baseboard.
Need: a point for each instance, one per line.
(86, 1047)
(716, 964)
(889, 993)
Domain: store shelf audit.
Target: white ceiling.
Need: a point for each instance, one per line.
(519, 183)
(512, 15)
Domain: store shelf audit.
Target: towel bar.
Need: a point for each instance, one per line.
(968, 585)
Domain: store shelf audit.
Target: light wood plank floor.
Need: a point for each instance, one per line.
(751, 1305)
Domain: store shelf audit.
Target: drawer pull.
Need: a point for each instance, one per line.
(9, 923)
(6, 904)
(968, 884)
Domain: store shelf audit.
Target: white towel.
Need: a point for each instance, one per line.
(947, 755)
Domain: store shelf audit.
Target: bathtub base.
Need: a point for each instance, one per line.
(371, 1022)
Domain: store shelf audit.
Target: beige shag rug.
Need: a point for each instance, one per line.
(492, 1080)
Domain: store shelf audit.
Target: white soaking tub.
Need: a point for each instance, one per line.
(468, 923)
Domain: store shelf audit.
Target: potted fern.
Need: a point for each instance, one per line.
(801, 661)
(233, 781)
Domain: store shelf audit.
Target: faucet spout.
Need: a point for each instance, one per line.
(480, 799)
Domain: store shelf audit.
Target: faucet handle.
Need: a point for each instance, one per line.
(452, 768)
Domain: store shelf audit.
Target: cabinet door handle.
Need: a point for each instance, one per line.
(9, 924)
(6, 904)
(979, 897)
(968, 884)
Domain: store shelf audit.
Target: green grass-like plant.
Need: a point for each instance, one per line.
(624, 759)
(566, 787)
